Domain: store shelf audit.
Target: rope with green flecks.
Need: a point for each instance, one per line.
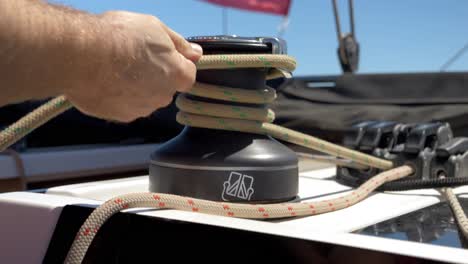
(253, 119)
(33, 120)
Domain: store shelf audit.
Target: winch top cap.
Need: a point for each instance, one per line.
(227, 43)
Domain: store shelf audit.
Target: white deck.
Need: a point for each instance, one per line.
(378, 207)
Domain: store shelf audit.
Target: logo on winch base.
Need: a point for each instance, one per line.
(237, 187)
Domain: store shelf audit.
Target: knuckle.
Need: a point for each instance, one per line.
(165, 72)
(178, 71)
(182, 43)
(186, 79)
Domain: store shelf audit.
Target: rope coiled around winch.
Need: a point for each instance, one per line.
(251, 119)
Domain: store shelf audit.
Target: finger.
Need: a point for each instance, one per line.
(191, 51)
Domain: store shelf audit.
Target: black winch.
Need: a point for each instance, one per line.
(223, 165)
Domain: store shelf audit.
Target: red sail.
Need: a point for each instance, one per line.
(278, 7)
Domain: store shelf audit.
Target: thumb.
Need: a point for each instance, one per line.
(191, 51)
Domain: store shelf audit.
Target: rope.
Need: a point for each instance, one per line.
(33, 120)
(100, 215)
(457, 210)
(239, 61)
(407, 184)
(331, 160)
(251, 119)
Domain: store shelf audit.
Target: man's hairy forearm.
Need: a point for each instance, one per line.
(46, 49)
(117, 66)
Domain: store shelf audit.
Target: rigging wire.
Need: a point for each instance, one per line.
(455, 57)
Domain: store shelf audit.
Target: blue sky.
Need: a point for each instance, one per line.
(395, 36)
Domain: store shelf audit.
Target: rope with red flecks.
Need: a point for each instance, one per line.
(99, 216)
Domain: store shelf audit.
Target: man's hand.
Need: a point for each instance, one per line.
(148, 63)
(116, 66)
